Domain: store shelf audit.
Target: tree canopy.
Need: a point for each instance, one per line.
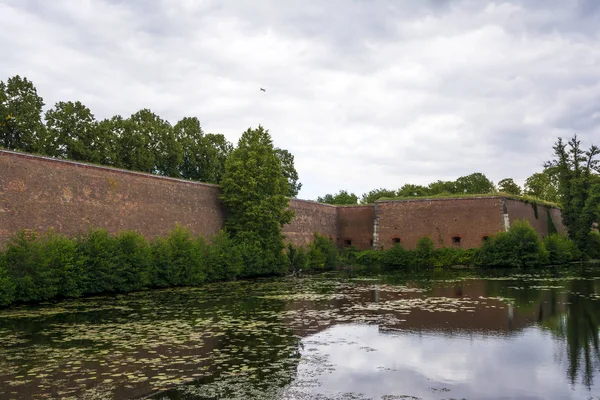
(255, 190)
(340, 198)
(577, 173)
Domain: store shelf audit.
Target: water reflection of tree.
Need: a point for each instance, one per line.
(579, 328)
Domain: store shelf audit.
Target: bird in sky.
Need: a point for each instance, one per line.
(263, 90)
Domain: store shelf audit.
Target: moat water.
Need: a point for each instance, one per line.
(459, 335)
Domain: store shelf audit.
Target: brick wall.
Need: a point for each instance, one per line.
(40, 193)
(311, 217)
(356, 225)
(441, 219)
(538, 219)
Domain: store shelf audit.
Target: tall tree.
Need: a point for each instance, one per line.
(289, 170)
(340, 198)
(410, 190)
(375, 194)
(72, 133)
(21, 126)
(218, 150)
(542, 185)
(578, 187)
(440, 187)
(255, 192)
(148, 144)
(109, 133)
(476, 183)
(188, 133)
(508, 185)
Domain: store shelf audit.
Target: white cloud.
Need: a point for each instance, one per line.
(364, 94)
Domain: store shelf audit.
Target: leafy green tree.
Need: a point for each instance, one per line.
(508, 185)
(255, 191)
(543, 186)
(375, 194)
(21, 126)
(578, 187)
(148, 145)
(188, 133)
(410, 190)
(440, 187)
(289, 170)
(343, 197)
(476, 183)
(218, 150)
(71, 133)
(109, 133)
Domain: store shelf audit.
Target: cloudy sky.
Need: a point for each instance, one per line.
(364, 93)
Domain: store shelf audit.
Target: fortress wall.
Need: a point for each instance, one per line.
(40, 193)
(441, 219)
(311, 217)
(356, 226)
(521, 210)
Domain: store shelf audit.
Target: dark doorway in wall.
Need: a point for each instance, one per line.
(396, 240)
(347, 242)
(456, 240)
(371, 242)
(485, 238)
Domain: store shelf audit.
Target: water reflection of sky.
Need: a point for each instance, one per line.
(362, 359)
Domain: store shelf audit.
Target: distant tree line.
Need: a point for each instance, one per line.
(142, 142)
(543, 185)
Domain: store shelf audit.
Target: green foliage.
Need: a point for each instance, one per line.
(508, 185)
(592, 249)
(576, 172)
(224, 259)
(396, 257)
(289, 171)
(519, 247)
(322, 254)
(134, 261)
(375, 194)
(424, 253)
(99, 253)
(560, 249)
(7, 287)
(179, 259)
(551, 227)
(542, 185)
(21, 126)
(341, 198)
(255, 192)
(297, 257)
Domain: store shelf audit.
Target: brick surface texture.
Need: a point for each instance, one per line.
(40, 193)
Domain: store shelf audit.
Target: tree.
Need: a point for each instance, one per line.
(343, 197)
(410, 190)
(578, 187)
(508, 185)
(21, 126)
(440, 187)
(148, 145)
(110, 133)
(375, 194)
(72, 133)
(476, 183)
(543, 186)
(190, 137)
(287, 163)
(218, 150)
(255, 192)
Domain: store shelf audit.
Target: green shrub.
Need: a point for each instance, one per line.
(592, 249)
(297, 258)
(424, 255)
(369, 258)
(224, 259)
(396, 257)
(134, 261)
(178, 259)
(560, 249)
(99, 255)
(322, 254)
(519, 247)
(24, 264)
(7, 288)
(59, 255)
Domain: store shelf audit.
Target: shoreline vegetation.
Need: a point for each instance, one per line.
(40, 267)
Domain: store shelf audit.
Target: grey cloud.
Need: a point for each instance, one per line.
(364, 93)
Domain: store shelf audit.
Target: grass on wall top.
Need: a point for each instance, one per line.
(523, 198)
